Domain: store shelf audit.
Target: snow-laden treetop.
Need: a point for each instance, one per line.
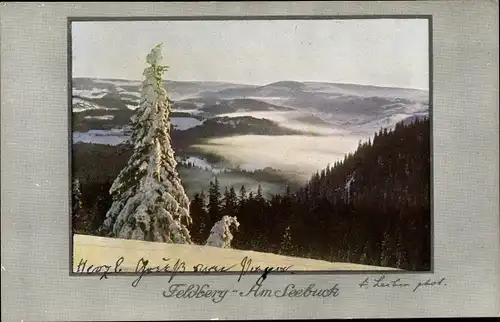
(156, 70)
(220, 235)
(155, 57)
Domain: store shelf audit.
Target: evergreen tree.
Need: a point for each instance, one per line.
(79, 220)
(288, 192)
(225, 197)
(149, 202)
(259, 196)
(220, 235)
(242, 197)
(400, 251)
(364, 255)
(230, 202)
(201, 222)
(77, 196)
(286, 242)
(385, 251)
(232, 196)
(214, 201)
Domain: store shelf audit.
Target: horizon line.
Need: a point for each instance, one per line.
(254, 84)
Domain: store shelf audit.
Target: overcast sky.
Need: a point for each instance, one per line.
(383, 52)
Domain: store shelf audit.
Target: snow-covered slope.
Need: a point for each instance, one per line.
(80, 105)
(106, 251)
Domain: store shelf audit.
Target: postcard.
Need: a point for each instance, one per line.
(289, 161)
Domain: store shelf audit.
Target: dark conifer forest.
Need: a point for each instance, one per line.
(373, 207)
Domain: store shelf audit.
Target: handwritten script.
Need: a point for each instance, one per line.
(257, 290)
(143, 268)
(192, 291)
(385, 282)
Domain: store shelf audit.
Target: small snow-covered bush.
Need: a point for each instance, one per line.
(220, 235)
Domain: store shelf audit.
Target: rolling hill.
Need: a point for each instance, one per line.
(103, 104)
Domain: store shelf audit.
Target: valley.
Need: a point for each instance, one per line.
(290, 129)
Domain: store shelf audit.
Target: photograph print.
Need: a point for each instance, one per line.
(295, 143)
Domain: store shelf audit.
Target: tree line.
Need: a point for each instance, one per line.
(372, 207)
(382, 217)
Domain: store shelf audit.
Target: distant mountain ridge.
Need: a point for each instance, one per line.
(104, 104)
(292, 92)
(288, 83)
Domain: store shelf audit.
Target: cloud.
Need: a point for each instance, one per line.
(294, 154)
(289, 120)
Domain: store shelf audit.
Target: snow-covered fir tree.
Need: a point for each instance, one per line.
(348, 187)
(79, 216)
(220, 235)
(286, 241)
(385, 250)
(149, 201)
(77, 196)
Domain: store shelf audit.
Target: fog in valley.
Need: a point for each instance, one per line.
(297, 156)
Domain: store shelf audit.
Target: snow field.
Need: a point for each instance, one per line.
(106, 251)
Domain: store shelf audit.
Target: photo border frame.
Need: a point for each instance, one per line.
(253, 18)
